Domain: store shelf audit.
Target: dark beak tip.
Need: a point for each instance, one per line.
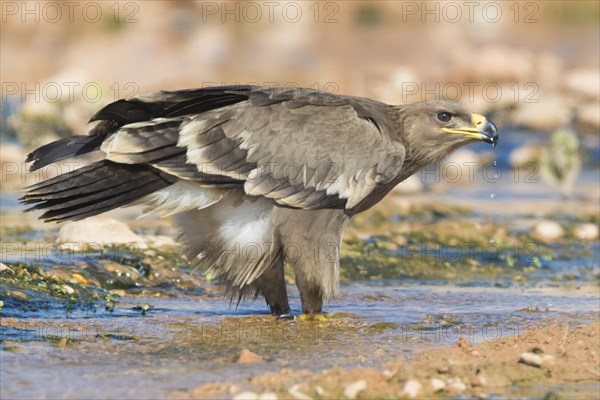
(491, 132)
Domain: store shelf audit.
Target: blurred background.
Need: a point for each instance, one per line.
(513, 230)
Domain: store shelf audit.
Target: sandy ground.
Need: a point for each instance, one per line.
(556, 361)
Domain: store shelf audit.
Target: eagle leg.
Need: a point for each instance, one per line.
(271, 284)
(311, 295)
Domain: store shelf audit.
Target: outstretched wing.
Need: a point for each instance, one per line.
(302, 148)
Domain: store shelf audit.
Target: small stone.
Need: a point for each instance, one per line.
(353, 389)
(586, 231)
(583, 81)
(524, 156)
(411, 388)
(455, 386)
(548, 231)
(157, 241)
(4, 267)
(95, 232)
(17, 294)
(588, 115)
(412, 184)
(297, 394)
(437, 384)
(246, 396)
(320, 391)
(68, 289)
(546, 115)
(248, 357)
(268, 396)
(536, 360)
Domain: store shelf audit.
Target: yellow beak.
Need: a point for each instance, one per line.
(480, 129)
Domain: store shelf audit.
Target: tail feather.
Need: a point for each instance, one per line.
(94, 189)
(62, 149)
(93, 172)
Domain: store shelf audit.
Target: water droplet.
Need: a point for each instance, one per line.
(494, 163)
(492, 195)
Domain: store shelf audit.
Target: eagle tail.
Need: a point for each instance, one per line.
(92, 190)
(63, 149)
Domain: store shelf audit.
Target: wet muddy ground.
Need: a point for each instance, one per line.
(451, 292)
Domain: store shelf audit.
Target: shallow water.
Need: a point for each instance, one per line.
(183, 343)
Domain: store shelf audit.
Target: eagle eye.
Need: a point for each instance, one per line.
(444, 116)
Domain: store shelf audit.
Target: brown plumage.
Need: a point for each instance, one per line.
(254, 176)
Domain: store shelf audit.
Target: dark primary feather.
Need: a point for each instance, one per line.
(93, 189)
(62, 149)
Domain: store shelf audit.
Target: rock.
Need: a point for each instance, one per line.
(159, 241)
(412, 184)
(248, 357)
(549, 113)
(588, 115)
(536, 360)
(549, 71)
(460, 166)
(548, 231)
(297, 394)
(68, 289)
(17, 294)
(584, 82)
(97, 232)
(4, 267)
(246, 396)
(437, 384)
(267, 396)
(523, 155)
(503, 64)
(586, 231)
(411, 388)
(455, 386)
(11, 153)
(353, 389)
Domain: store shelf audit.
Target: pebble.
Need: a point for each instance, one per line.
(17, 294)
(412, 184)
(548, 230)
(437, 384)
(455, 386)
(4, 267)
(68, 289)
(246, 396)
(248, 357)
(411, 388)
(94, 232)
(268, 396)
(297, 394)
(547, 115)
(586, 231)
(353, 389)
(536, 360)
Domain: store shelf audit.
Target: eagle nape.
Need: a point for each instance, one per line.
(254, 177)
